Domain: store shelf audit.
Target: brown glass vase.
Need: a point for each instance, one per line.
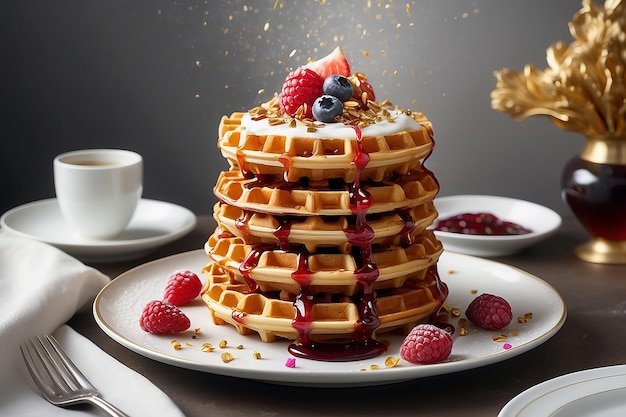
(594, 186)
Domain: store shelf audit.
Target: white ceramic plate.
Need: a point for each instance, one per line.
(539, 219)
(599, 392)
(154, 224)
(118, 307)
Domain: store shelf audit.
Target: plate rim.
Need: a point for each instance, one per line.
(517, 405)
(320, 378)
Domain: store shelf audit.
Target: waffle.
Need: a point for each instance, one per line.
(332, 272)
(317, 232)
(323, 228)
(412, 189)
(323, 158)
(272, 317)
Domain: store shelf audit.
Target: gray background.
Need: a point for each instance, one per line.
(156, 76)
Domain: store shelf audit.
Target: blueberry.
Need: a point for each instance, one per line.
(339, 86)
(326, 107)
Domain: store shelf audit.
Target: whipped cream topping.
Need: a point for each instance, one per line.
(398, 121)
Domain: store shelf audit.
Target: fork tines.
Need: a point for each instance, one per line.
(51, 355)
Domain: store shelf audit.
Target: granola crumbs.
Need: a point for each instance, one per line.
(227, 357)
(360, 112)
(462, 330)
(525, 318)
(207, 347)
(500, 338)
(223, 344)
(392, 362)
(176, 344)
(256, 355)
(196, 332)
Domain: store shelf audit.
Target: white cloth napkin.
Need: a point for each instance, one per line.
(41, 288)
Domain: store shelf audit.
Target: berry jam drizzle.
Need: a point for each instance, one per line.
(443, 291)
(406, 238)
(287, 162)
(242, 223)
(250, 262)
(241, 161)
(360, 235)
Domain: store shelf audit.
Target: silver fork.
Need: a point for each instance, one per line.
(58, 379)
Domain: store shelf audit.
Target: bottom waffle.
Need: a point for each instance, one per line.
(332, 317)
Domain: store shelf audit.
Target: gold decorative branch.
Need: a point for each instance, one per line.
(583, 89)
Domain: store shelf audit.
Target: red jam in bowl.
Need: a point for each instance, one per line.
(480, 224)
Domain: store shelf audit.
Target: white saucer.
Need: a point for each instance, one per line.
(155, 223)
(597, 392)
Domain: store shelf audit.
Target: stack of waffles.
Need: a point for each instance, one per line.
(322, 233)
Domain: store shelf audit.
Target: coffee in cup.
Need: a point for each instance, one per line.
(98, 189)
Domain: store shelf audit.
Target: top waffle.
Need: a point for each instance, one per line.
(304, 151)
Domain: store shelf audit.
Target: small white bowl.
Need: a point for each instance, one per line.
(539, 219)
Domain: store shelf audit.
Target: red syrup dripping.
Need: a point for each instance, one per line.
(241, 161)
(242, 222)
(303, 303)
(283, 231)
(409, 225)
(239, 316)
(362, 347)
(250, 262)
(360, 235)
(286, 161)
(443, 291)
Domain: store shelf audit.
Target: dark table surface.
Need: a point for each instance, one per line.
(592, 336)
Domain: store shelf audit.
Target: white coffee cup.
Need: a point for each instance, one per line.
(98, 189)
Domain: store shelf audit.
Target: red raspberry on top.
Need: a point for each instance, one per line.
(426, 344)
(489, 312)
(182, 287)
(301, 88)
(162, 317)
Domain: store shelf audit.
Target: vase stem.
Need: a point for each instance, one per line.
(602, 251)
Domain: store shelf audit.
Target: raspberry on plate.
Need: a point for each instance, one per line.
(301, 87)
(182, 287)
(489, 312)
(426, 344)
(162, 317)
